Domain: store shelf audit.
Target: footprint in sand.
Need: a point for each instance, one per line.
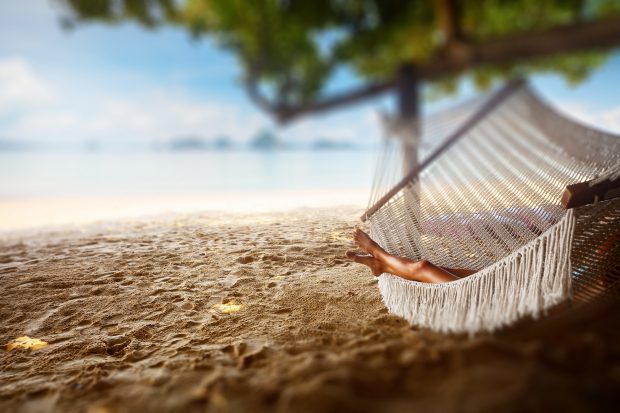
(116, 344)
(275, 258)
(7, 268)
(230, 281)
(245, 259)
(247, 352)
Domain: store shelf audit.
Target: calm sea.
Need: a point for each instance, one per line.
(25, 175)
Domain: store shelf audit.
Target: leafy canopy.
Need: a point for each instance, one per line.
(290, 48)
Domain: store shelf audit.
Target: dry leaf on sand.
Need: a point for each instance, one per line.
(27, 343)
(229, 307)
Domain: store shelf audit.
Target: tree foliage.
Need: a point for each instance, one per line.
(290, 48)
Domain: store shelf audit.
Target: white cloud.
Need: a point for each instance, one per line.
(20, 87)
(162, 114)
(608, 119)
(611, 119)
(361, 126)
(155, 113)
(158, 115)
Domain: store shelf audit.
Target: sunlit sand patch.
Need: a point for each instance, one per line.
(98, 409)
(340, 236)
(214, 246)
(229, 307)
(27, 343)
(181, 222)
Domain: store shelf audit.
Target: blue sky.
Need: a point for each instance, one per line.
(124, 84)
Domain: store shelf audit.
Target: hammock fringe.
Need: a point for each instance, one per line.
(527, 282)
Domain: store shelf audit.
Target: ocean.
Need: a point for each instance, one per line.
(44, 189)
(58, 174)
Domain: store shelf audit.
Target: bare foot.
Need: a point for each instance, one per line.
(364, 241)
(371, 262)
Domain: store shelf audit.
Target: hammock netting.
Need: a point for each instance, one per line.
(490, 202)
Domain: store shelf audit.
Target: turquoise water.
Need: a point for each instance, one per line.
(25, 174)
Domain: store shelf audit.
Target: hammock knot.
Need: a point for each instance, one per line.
(402, 129)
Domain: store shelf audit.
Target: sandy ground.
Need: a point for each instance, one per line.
(130, 311)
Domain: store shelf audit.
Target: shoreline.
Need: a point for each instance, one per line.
(70, 211)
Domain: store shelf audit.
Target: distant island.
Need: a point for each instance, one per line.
(14, 145)
(266, 140)
(223, 143)
(197, 143)
(263, 141)
(325, 144)
(189, 143)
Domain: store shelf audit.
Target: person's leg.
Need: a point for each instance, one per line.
(459, 272)
(371, 262)
(423, 271)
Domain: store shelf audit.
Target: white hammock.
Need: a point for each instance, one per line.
(489, 200)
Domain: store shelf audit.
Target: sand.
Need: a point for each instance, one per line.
(260, 312)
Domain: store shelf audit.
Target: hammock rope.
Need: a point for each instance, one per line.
(487, 198)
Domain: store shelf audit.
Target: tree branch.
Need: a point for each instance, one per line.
(600, 34)
(251, 86)
(287, 113)
(448, 16)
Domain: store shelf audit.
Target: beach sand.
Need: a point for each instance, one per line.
(261, 312)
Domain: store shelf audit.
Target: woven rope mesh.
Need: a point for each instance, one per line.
(499, 187)
(427, 135)
(496, 189)
(595, 255)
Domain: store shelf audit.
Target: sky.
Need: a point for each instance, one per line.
(125, 85)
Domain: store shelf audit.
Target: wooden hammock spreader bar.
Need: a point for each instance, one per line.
(488, 107)
(584, 193)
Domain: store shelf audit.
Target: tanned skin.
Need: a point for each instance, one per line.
(380, 261)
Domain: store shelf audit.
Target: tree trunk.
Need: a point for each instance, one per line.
(409, 112)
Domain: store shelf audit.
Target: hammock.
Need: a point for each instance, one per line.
(487, 198)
